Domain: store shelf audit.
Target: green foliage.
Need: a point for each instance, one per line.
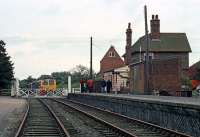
(6, 67)
(97, 77)
(45, 77)
(76, 84)
(26, 82)
(61, 78)
(195, 93)
(186, 81)
(77, 73)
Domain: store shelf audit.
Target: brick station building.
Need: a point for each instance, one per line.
(113, 68)
(169, 56)
(111, 60)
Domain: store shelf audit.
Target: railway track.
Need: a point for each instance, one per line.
(133, 127)
(80, 124)
(40, 120)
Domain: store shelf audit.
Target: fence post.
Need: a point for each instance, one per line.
(69, 84)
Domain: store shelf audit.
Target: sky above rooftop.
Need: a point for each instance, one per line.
(54, 35)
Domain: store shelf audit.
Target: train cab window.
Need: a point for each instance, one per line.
(51, 82)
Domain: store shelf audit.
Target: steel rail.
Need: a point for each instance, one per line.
(60, 124)
(179, 134)
(19, 131)
(113, 127)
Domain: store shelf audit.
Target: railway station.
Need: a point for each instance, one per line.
(140, 78)
(102, 115)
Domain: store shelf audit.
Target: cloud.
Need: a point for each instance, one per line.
(53, 35)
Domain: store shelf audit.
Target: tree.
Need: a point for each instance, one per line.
(45, 77)
(26, 82)
(6, 67)
(61, 78)
(80, 71)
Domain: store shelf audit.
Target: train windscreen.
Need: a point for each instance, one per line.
(51, 82)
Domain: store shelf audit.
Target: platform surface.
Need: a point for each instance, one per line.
(8, 108)
(185, 101)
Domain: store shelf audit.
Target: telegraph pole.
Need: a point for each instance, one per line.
(91, 58)
(146, 87)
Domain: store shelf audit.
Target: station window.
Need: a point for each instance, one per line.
(111, 54)
(151, 56)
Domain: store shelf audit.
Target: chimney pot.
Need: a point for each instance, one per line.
(129, 25)
(152, 17)
(156, 16)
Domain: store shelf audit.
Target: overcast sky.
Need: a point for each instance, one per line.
(45, 36)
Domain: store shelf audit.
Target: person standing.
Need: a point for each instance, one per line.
(90, 85)
(108, 86)
(103, 86)
(82, 85)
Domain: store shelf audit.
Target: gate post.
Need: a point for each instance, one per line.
(69, 84)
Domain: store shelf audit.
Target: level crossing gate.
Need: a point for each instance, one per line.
(36, 93)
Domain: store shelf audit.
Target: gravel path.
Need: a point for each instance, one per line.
(77, 124)
(11, 113)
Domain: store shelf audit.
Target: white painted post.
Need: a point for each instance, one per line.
(65, 91)
(17, 86)
(79, 88)
(28, 93)
(69, 84)
(13, 88)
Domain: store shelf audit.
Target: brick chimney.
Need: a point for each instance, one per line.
(128, 44)
(129, 35)
(155, 27)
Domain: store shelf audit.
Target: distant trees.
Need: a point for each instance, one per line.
(25, 83)
(79, 72)
(45, 77)
(6, 67)
(61, 78)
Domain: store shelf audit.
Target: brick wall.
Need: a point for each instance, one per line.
(159, 55)
(166, 75)
(137, 78)
(108, 63)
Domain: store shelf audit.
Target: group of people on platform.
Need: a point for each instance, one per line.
(88, 85)
(106, 86)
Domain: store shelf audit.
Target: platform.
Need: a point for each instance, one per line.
(170, 100)
(179, 113)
